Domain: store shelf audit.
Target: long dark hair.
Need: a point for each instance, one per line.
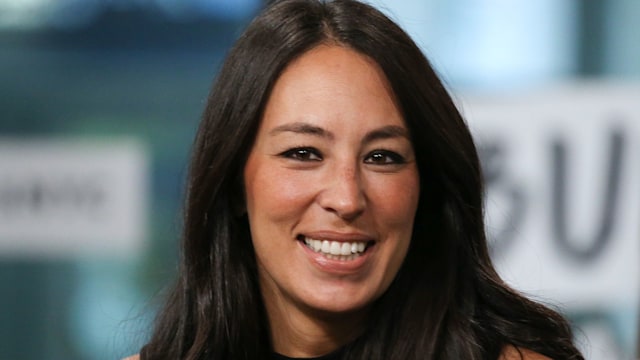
(446, 302)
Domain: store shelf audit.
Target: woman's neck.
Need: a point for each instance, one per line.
(299, 332)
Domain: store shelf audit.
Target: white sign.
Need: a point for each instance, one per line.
(562, 167)
(62, 198)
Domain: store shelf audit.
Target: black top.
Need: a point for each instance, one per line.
(336, 355)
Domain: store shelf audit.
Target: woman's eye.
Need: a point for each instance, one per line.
(302, 154)
(384, 157)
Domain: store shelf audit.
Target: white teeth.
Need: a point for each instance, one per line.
(336, 250)
(345, 249)
(326, 247)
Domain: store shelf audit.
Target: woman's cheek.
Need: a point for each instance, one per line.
(396, 194)
(286, 191)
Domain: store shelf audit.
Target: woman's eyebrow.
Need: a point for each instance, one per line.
(386, 132)
(301, 128)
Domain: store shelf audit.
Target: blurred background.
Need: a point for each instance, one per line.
(100, 99)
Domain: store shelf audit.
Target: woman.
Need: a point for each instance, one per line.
(334, 208)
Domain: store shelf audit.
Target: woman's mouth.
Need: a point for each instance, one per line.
(336, 250)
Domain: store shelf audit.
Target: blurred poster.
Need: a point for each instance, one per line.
(562, 169)
(63, 198)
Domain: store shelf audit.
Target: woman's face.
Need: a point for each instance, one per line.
(331, 185)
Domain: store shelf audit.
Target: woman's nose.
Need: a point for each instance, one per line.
(343, 194)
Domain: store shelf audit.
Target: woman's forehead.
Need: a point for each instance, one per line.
(332, 86)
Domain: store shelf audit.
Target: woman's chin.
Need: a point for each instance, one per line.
(338, 305)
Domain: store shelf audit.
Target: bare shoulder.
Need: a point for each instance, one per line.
(132, 357)
(514, 353)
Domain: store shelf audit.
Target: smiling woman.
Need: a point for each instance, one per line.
(335, 208)
(332, 188)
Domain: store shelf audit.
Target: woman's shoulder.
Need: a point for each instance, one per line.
(132, 357)
(513, 353)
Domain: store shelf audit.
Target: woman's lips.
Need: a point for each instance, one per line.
(336, 250)
(337, 254)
